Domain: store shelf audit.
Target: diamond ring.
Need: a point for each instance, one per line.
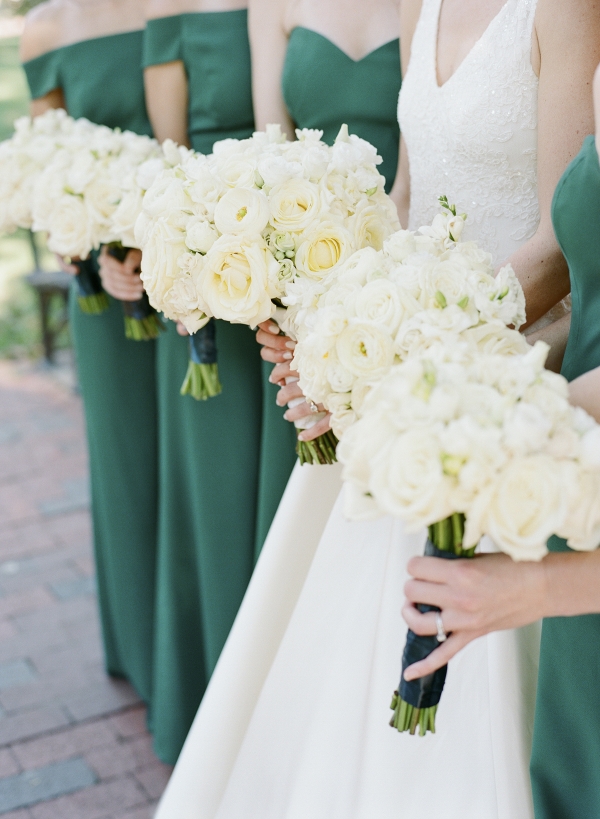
(313, 406)
(441, 634)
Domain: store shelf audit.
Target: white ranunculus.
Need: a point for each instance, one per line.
(242, 210)
(522, 508)
(339, 377)
(200, 235)
(166, 195)
(342, 413)
(295, 205)
(496, 339)
(239, 279)
(365, 349)
(323, 249)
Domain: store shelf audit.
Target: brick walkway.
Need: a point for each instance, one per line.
(73, 743)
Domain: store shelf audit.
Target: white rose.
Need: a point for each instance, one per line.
(239, 171)
(125, 217)
(408, 481)
(160, 261)
(384, 303)
(242, 210)
(496, 339)
(400, 245)
(370, 226)
(522, 508)
(295, 205)
(69, 228)
(365, 349)
(200, 235)
(322, 249)
(239, 279)
(581, 527)
(340, 378)
(166, 195)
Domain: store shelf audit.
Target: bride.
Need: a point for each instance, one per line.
(491, 114)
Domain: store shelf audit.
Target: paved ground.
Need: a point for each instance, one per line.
(73, 743)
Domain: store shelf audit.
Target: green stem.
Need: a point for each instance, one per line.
(319, 451)
(93, 304)
(201, 381)
(144, 329)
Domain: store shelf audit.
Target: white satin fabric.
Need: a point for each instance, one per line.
(300, 730)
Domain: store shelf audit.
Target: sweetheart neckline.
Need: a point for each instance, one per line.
(341, 50)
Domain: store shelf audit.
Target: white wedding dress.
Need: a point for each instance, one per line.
(294, 724)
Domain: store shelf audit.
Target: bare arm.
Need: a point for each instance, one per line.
(268, 44)
(400, 193)
(556, 335)
(568, 50)
(167, 101)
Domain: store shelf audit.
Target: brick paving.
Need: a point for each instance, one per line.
(73, 742)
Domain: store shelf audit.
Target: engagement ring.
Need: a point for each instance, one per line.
(441, 634)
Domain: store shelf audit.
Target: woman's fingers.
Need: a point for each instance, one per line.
(133, 261)
(441, 656)
(117, 278)
(297, 412)
(288, 392)
(65, 266)
(282, 371)
(181, 329)
(320, 428)
(433, 594)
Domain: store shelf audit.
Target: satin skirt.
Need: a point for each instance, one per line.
(300, 729)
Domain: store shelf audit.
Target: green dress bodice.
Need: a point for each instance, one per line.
(323, 88)
(101, 80)
(215, 51)
(565, 764)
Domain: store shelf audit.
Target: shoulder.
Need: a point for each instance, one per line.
(410, 11)
(42, 31)
(170, 8)
(560, 20)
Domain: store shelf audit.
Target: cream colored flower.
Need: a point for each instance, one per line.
(295, 205)
(323, 249)
(242, 210)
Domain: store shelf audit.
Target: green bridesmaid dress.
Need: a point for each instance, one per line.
(565, 764)
(224, 462)
(323, 88)
(102, 80)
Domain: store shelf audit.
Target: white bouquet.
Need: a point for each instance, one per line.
(381, 307)
(224, 235)
(469, 444)
(22, 159)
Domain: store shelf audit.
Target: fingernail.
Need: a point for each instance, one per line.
(408, 677)
(291, 345)
(291, 379)
(302, 436)
(287, 356)
(286, 415)
(273, 328)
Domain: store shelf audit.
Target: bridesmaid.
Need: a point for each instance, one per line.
(318, 72)
(564, 587)
(318, 66)
(224, 462)
(85, 56)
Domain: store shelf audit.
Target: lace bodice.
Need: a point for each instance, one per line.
(474, 138)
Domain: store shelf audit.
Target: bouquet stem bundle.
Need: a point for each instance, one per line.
(415, 703)
(141, 319)
(90, 296)
(319, 451)
(202, 377)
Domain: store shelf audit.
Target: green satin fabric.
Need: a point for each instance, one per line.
(102, 80)
(324, 88)
(215, 51)
(566, 747)
(224, 463)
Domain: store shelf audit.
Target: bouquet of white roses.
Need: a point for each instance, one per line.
(225, 235)
(422, 289)
(468, 444)
(75, 200)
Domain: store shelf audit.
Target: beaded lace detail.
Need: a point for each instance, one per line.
(474, 139)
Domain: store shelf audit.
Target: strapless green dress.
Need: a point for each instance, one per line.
(323, 88)
(102, 80)
(224, 462)
(565, 765)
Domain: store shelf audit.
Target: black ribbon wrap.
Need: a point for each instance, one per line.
(141, 308)
(203, 344)
(87, 279)
(424, 692)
